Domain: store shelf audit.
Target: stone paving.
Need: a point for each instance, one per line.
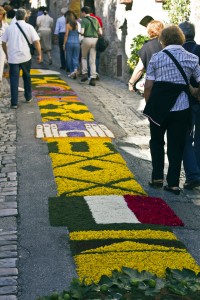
(8, 198)
(125, 109)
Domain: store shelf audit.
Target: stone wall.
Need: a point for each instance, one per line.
(121, 25)
(195, 18)
(55, 7)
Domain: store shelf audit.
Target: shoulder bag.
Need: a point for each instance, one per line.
(31, 47)
(102, 42)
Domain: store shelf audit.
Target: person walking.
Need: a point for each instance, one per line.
(18, 55)
(145, 53)
(167, 96)
(60, 33)
(98, 53)
(3, 26)
(45, 28)
(191, 155)
(90, 29)
(71, 44)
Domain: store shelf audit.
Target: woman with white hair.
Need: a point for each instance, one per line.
(45, 27)
(3, 26)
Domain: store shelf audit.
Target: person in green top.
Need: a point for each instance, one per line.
(90, 29)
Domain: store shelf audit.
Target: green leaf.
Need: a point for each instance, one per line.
(105, 280)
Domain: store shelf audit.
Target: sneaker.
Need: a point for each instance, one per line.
(30, 100)
(191, 184)
(20, 89)
(13, 106)
(84, 78)
(92, 82)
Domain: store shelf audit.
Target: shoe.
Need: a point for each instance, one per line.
(50, 61)
(20, 89)
(84, 78)
(13, 106)
(157, 183)
(72, 75)
(92, 82)
(173, 190)
(97, 77)
(191, 184)
(30, 100)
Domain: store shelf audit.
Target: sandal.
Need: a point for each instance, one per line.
(174, 190)
(157, 183)
(131, 86)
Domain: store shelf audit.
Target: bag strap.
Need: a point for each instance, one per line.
(23, 34)
(92, 25)
(178, 66)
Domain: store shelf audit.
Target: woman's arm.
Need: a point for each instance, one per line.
(66, 36)
(137, 73)
(147, 89)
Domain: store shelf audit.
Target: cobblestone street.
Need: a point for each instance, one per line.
(28, 244)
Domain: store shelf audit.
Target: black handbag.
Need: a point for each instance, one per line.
(102, 42)
(31, 47)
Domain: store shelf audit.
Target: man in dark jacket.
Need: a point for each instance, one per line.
(191, 157)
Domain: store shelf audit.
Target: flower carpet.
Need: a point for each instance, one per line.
(111, 220)
(73, 128)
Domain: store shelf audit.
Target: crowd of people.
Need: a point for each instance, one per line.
(170, 59)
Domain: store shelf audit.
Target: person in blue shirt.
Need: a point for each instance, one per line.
(60, 33)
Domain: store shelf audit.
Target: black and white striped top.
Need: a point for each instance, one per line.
(162, 68)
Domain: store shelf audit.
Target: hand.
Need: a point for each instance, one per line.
(193, 91)
(64, 47)
(39, 58)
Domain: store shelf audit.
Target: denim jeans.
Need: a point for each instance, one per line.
(72, 56)
(191, 156)
(62, 52)
(14, 81)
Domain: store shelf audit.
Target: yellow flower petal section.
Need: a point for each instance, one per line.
(132, 246)
(74, 188)
(46, 80)
(122, 234)
(64, 111)
(99, 170)
(97, 146)
(93, 266)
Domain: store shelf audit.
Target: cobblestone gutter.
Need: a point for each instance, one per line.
(8, 199)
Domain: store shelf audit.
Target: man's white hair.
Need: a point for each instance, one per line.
(64, 10)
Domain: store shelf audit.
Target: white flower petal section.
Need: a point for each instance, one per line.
(110, 209)
(45, 72)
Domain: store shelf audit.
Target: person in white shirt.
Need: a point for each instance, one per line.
(18, 55)
(44, 28)
(3, 26)
(60, 32)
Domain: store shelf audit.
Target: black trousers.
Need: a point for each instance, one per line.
(176, 126)
(62, 52)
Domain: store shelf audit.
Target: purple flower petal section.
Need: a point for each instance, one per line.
(74, 125)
